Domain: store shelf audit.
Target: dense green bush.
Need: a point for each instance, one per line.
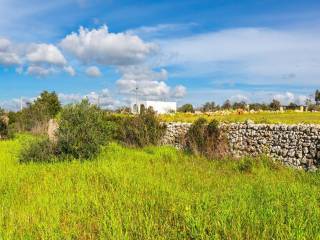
(206, 139)
(38, 151)
(140, 130)
(83, 128)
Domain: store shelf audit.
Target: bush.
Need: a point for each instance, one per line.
(38, 151)
(206, 139)
(140, 130)
(83, 128)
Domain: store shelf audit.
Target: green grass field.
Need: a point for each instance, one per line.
(154, 193)
(288, 117)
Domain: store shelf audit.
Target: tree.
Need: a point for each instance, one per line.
(226, 104)
(35, 116)
(239, 105)
(186, 108)
(292, 106)
(209, 107)
(317, 97)
(275, 105)
(48, 104)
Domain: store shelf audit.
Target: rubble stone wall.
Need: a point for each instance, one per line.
(294, 145)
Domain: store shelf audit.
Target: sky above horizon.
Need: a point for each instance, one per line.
(186, 51)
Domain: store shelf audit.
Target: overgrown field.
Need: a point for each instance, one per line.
(155, 193)
(289, 117)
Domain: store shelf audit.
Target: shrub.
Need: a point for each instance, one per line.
(38, 151)
(245, 165)
(140, 130)
(83, 128)
(206, 139)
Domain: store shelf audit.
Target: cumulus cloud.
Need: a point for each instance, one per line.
(102, 47)
(93, 71)
(8, 56)
(102, 98)
(147, 83)
(4, 44)
(70, 70)
(45, 54)
(39, 71)
(288, 97)
(143, 80)
(179, 91)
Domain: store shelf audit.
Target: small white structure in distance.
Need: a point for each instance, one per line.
(159, 107)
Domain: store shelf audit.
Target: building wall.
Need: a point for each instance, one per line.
(158, 106)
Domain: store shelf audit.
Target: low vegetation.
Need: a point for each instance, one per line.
(206, 139)
(133, 189)
(154, 193)
(141, 130)
(288, 117)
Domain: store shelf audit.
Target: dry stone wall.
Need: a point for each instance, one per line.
(294, 145)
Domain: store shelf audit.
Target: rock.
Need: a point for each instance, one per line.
(52, 129)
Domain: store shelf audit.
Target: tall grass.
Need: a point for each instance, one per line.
(155, 193)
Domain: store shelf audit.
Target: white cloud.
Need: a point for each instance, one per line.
(102, 47)
(102, 98)
(239, 98)
(162, 30)
(93, 71)
(255, 53)
(8, 56)
(39, 71)
(4, 44)
(45, 54)
(70, 70)
(149, 83)
(179, 91)
(288, 97)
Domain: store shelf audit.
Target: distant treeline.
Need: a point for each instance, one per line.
(274, 105)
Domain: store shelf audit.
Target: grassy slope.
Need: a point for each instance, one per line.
(154, 193)
(261, 117)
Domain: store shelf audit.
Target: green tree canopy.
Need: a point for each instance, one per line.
(275, 105)
(186, 108)
(209, 107)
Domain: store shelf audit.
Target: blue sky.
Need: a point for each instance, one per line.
(188, 51)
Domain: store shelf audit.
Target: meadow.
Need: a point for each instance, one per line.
(154, 193)
(287, 117)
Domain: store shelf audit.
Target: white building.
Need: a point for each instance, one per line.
(158, 106)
